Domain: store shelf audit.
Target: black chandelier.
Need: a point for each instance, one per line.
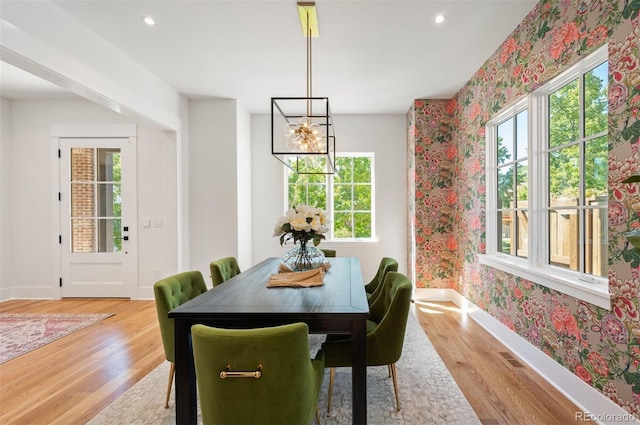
(302, 134)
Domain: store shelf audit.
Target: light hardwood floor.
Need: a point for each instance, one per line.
(72, 379)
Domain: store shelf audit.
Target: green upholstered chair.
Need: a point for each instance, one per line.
(329, 252)
(287, 390)
(170, 293)
(387, 265)
(385, 332)
(223, 269)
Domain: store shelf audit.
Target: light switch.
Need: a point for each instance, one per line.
(157, 222)
(146, 222)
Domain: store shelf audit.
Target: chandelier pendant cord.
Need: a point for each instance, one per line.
(309, 113)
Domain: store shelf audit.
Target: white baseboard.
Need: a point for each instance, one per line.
(29, 293)
(146, 293)
(593, 404)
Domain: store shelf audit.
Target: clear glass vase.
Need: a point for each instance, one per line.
(303, 257)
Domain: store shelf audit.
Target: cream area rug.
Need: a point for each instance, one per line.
(21, 333)
(428, 393)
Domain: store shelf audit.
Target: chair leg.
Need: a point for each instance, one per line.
(392, 367)
(389, 367)
(317, 415)
(331, 376)
(171, 372)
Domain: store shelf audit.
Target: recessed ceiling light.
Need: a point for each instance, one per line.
(440, 18)
(148, 20)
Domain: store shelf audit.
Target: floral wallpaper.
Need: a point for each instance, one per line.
(447, 145)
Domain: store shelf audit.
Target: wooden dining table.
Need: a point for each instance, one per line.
(244, 301)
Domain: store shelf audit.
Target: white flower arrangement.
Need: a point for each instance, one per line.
(302, 223)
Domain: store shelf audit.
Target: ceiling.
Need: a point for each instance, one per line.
(372, 57)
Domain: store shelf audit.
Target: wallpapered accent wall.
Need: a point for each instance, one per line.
(446, 145)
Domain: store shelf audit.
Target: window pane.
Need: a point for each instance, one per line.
(83, 200)
(505, 141)
(564, 173)
(342, 197)
(362, 225)
(297, 195)
(596, 250)
(522, 186)
(343, 225)
(596, 169)
(343, 174)
(564, 236)
(361, 197)
(564, 115)
(317, 196)
(316, 178)
(505, 187)
(596, 84)
(362, 170)
(521, 135)
(522, 247)
(506, 232)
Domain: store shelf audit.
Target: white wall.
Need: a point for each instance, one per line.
(244, 172)
(382, 134)
(29, 197)
(5, 163)
(213, 182)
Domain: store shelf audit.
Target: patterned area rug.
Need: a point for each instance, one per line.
(428, 393)
(21, 333)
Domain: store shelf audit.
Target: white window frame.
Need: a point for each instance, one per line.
(329, 195)
(586, 287)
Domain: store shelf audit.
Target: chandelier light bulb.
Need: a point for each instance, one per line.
(304, 136)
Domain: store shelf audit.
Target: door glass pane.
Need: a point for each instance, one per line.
(83, 200)
(109, 235)
(96, 197)
(83, 235)
(564, 236)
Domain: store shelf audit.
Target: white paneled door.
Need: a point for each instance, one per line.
(98, 214)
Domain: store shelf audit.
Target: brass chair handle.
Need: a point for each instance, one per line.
(228, 373)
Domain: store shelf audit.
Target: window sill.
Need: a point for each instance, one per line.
(596, 293)
(353, 242)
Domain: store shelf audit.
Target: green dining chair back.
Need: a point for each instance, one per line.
(385, 332)
(329, 252)
(223, 269)
(256, 376)
(387, 265)
(170, 293)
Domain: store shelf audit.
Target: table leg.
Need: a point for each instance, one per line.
(359, 371)
(186, 402)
